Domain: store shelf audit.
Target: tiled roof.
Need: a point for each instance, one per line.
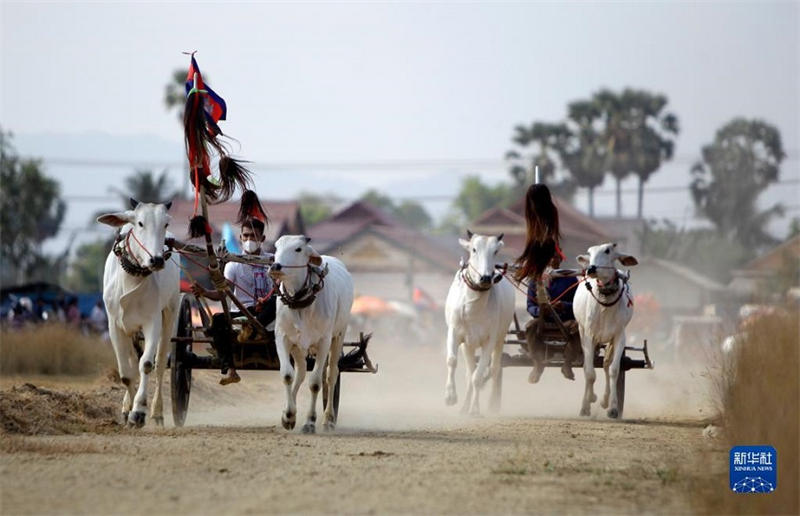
(360, 217)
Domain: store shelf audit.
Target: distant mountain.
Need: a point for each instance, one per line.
(96, 145)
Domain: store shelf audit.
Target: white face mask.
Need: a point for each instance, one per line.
(251, 246)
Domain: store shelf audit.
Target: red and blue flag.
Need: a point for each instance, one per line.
(213, 105)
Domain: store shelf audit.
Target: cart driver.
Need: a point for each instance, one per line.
(252, 286)
(562, 290)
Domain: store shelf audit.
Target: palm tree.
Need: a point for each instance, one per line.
(651, 135)
(145, 186)
(616, 136)
(175, 92)
(741, 162)
(547, 142)
(638, 136)
(584, 153)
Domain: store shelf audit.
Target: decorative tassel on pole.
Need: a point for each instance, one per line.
(204, 108)
(250, 208)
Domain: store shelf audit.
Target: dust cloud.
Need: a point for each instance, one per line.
(407, 393)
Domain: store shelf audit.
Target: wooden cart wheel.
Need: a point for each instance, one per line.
(621, 388)
(180, 369)
(335, 397)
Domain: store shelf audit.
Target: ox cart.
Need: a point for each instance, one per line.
(554, 336)
(253, 349)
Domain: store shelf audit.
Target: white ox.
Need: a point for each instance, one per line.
(303, 329)
(144, 298)
(478, 311)
(603, 311)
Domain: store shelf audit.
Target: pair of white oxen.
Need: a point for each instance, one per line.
(141, 293)
(480, 308)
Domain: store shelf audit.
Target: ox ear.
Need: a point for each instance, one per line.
(133, 203)
(117, 219)
(314, 258)
(469, 234)
(168, 205)
(464, 243)
(627, 260)
(500, 237)
(583, 260)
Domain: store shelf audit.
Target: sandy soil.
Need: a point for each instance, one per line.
(397, 449)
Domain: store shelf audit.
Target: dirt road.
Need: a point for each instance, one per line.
(398, 449)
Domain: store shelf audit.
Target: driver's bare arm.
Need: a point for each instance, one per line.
(199, 291)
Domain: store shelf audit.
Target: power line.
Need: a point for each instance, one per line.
(449, 197)
(386, 164)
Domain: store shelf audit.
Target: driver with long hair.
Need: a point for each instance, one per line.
(542, 249)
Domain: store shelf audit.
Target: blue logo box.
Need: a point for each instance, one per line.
(753, 469)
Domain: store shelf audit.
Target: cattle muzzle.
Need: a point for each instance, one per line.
(157, 263)
(275, 270)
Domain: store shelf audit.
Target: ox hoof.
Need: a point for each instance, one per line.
(604, 403)
(450, 399)
(613, 413)
(309, 428)
(288, 421)
(125, 417)
(585, 412)
(136, 419)
(329, 426)
(534, 376)
(159, 421)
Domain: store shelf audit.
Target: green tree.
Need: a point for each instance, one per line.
(741, 162)
(315, 207)
(86, 270)
(378, 200)
(175, 92)
(794, 228)
(585, 152)
(637, 134)
(410, 212)
(547, 143)
(703, 250)
(413, 214)
(475, 197)
(650, 136)
(31, 211)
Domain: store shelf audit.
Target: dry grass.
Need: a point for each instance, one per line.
(32, 410)
(758, 394)
(53, 349)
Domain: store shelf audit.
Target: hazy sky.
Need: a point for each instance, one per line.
(333, 83)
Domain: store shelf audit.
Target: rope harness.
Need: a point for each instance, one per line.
(465, 267)
(304, 297)
(618, 285)
(127, 260)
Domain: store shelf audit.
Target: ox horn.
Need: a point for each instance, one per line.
(469, 234)
(133, 203)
